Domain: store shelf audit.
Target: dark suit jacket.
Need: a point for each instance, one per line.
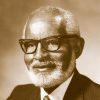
(80, 88)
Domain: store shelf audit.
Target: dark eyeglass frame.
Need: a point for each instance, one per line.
(59, 37)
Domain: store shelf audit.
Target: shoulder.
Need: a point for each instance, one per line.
(24, 88)
(23, 91)
(87, 81)
(91, 90)
(84, 80)
(92, 86)
(82, 87)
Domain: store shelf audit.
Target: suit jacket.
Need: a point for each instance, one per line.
(80, 88)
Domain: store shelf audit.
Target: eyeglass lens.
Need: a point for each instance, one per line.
(29, 46)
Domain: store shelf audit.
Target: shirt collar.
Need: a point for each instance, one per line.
(59, 92)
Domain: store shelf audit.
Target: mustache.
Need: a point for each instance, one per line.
(39, 64)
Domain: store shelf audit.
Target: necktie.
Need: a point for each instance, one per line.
(46, 97)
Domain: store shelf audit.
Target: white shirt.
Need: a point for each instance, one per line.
(59, 92)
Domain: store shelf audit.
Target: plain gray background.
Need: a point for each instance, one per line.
(13, 14)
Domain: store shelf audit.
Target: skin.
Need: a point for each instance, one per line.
(48, 69)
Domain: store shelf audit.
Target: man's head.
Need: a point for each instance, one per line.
(52, 43)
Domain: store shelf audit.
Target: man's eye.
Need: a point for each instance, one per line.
(52, 45)
(30, 47)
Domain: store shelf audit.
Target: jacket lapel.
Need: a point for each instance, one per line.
(35, 95)
(76, 88)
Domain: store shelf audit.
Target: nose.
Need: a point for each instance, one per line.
(40, 53)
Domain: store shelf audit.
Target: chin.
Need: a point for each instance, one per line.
(50, 79)
(54, 77)
(47, 80)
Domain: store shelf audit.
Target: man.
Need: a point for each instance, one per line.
(51, 42)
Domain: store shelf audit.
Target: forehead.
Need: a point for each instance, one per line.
(41, 28)
(43, 24)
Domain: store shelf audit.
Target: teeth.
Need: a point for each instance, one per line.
(42, 69)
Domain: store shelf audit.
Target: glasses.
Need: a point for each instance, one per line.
(50, 44)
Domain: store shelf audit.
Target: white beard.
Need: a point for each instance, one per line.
(53, 78)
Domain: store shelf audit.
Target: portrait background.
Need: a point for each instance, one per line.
(13, 14)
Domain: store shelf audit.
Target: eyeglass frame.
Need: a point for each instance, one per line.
(41, 41)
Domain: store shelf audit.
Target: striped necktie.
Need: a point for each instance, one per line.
(46, 97)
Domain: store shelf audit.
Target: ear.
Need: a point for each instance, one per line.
(78, 46)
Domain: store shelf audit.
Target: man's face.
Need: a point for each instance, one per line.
(47, 68)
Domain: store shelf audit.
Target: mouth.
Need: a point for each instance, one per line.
(45, 67)
(42, 69)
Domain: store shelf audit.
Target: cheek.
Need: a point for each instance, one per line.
(62, 55)
(66, 53)
(28, 58)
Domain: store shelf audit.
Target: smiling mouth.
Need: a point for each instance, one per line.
(44, 67)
